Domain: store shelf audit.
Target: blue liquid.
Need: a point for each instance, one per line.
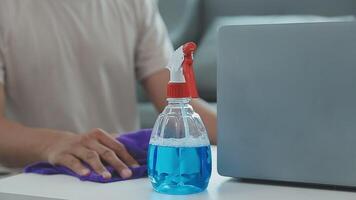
(179, 170)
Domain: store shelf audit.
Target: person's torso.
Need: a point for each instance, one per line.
(70, 63)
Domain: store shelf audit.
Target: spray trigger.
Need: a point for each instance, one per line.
(175, 66)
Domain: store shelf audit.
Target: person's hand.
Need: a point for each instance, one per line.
(94, 147)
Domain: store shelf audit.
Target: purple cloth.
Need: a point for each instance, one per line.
(136, 144)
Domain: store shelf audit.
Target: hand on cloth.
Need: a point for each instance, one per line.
(133, 153)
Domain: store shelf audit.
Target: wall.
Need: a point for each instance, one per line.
(214, 8)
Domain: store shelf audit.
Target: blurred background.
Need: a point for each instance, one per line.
(199, 21)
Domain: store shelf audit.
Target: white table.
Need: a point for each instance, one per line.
(66, 187)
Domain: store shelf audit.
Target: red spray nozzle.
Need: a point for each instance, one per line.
(177, 89)
(188, 70)
(189, 48)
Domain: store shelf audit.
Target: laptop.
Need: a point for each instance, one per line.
(287, 102)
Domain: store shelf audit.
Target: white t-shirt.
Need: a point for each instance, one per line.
(72, 64)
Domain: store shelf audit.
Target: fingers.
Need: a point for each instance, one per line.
(110, 157)
(117, 147)
(74, 164)
(92, 158)
(92, 148)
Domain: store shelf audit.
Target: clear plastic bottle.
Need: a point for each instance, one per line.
(179, 156)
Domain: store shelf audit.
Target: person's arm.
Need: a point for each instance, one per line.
(155, 86)
(21, 145)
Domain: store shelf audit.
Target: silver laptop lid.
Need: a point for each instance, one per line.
(287, 102)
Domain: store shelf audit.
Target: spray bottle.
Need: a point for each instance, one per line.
(179, 155)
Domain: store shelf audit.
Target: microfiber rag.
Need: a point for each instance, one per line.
(136, 144)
